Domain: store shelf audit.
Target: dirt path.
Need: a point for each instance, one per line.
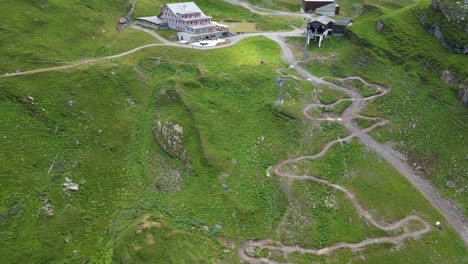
(233, 41)
(247, 248)
(265, 11)
(453, 215)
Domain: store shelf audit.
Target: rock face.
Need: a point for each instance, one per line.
(452, 13)
(447, 77)
(463, 93)
(170, 138)
(436, 31)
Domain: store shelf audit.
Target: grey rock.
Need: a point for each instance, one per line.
(463, 93)
(380, 25)
(48, 207)
(70, 185)
(170, 137)
(447, 77)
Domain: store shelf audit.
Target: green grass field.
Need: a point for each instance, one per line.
(41, 35)
(138, 204)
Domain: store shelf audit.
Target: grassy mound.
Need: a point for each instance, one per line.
(156, 238)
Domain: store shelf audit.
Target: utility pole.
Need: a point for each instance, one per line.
(305, 49)
(280, 96)
(357, 6)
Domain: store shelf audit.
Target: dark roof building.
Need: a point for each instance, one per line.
(320, 27)
(340, 25)
(323, 7)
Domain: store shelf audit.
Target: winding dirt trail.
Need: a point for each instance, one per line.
(247, 248)
(450, 211)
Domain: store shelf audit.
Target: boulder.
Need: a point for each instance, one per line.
(447, 77)
(380, 25)
(70, 185)
(170, 138)
(463, 93)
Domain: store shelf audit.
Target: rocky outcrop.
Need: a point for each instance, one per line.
(463, 93)
(453, 12)
(446, 23)
(170, 138)
(448, 77)
(436, 31)
(380, 25)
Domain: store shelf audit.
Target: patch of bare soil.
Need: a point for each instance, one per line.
(146, 224)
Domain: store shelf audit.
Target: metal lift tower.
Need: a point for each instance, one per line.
(280, 96)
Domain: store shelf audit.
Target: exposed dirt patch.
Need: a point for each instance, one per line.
(323, 56)
(146, 224)
(150, 240)
(136, 247)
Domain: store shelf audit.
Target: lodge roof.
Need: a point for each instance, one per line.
(184, 8)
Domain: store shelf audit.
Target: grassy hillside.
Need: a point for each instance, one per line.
(137, 203)
(427, 120)
(46, 33)
(96, 130)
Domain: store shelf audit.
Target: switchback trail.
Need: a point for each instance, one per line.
(453, 215)
(247, 248)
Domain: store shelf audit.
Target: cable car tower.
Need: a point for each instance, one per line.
(280, 81)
